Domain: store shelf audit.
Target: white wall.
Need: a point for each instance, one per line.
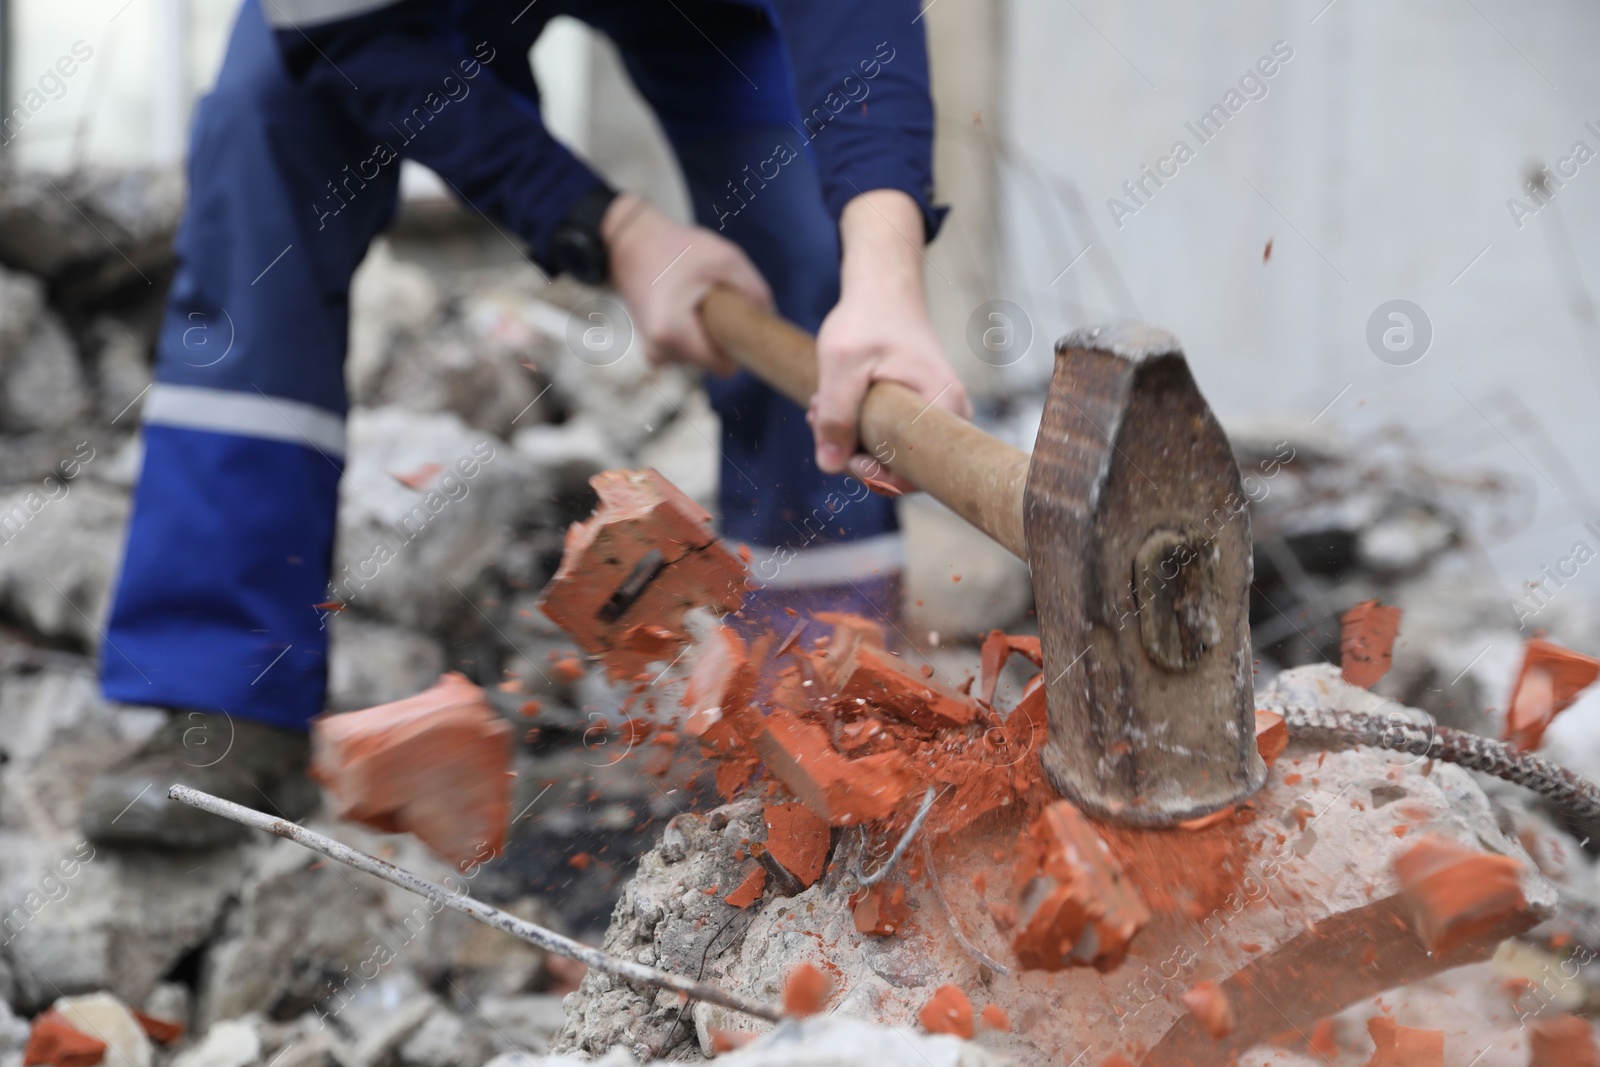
(1379, 165)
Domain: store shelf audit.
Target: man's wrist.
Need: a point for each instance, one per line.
(578, 246)
(881, 237)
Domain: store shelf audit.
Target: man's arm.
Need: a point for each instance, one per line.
(861, 73)
(404, 73)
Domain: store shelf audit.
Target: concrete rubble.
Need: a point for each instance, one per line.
(680, 832)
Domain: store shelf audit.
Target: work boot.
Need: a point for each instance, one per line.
(247, 762)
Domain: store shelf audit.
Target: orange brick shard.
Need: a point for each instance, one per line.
(1550, 679)
(718, 692)
(843, 791)
(1402, 1046)
(805, 991)
(1366, 642)
(1563, 1041)
(997, 648)
(798, 839)
(948, 1011)
(1272, 735)
(161, 1031)
(1074, 906)
(994, 1017)
(1457, 893)
(436, 765)
(56, 1042)
(748, 891)
(1209, 1005)
(885, 681)
(880, 910)
(644, 558)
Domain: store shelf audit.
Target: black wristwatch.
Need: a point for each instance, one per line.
(576, 246)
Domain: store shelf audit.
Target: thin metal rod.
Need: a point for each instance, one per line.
(545, 938)
(905, 840)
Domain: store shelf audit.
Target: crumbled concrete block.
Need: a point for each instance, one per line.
(105, 1017)
(437, 765)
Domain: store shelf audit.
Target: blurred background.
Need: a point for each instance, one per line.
(1371, 243)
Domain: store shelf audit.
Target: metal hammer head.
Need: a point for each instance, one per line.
(1139, 543)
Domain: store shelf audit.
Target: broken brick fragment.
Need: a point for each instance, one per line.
(805, 991)
(885, 681)
(730, 1040)
(880, 910)
(1457, 893)
(1550, 679)
(1209, 1005)
(998, 647)
(798, 839)
(58, 1043)
(994, 1017)
(845, 792)
(718, 692)
(948, 1011)
(161, 1031)
(645, 557)
(748, 891)
(567, 669)
(1366, 642)
(436, 765)
(1074, 906)
(1562, 1041)
(1272, 735)
(419, 479)
(1403, 1046)
(849, 633)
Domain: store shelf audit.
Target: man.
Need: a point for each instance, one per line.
(803, 130)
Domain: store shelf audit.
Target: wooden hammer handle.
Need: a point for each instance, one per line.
(977, 476)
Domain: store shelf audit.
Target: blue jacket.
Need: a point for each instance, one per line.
(851, 78)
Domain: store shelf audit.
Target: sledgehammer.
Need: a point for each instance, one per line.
(1130, 515)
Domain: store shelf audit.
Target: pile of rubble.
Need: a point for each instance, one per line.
(826, 796)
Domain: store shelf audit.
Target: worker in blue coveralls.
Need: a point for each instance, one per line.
(803, 129)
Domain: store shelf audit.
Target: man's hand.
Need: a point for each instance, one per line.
(663, 271)
(879, 331)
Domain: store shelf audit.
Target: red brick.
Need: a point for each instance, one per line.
(1550, 679)
(994, 1017)
(880, 910)
(843, 791)
(997, 648)
(1074, 906)
(56, 1042)
(718, 692)
(1562, 1041)
(885, 681)
(1366, 642)
(1457, 893)
(1272, 735)
(947, 1012)
(748, 891)
(640, 511)
(161, 1031)
(805, 991)
(798, 839)
(1402, 1046)
(437, 765)
(1209, 1005)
